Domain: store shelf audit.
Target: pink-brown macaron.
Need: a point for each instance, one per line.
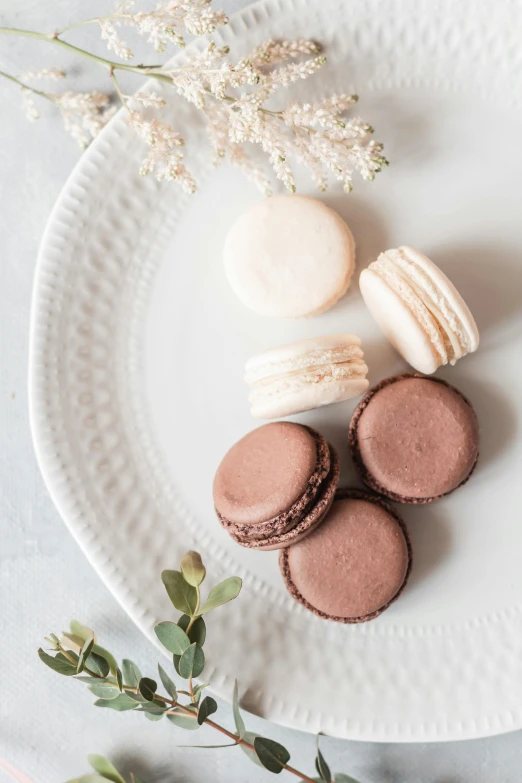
(414, 439)
(275, 485)
(352, 567)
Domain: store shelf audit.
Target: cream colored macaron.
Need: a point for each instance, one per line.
(306, 375)
(419, 310)
(289, 257)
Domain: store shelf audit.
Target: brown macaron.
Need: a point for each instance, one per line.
(354, 565)
(414, 439)
(275, 485)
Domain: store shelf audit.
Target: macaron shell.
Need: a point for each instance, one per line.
(289, 257)
(355, 565)
(307, 398)
(398, 323)
(313, 518)
(411, 444)
(265, 473)
(454, 299)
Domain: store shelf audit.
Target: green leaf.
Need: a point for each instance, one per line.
(340, 778)
(136, 697)
(121, 703)
(89, 778)
(322, 767)
(207, 707)
(119, 680)
(182, 722)
(84, 654)
(271, 754)
(175, 660)
(192, 568)
(70, 654)
(147, 688)
(197, 633)
(172, 637)
(104, 690)
(60, 665)
(81, 631)
(238, 720)
(167, 683)
(98, 664)
(106, 769)
(183, 596)
(198, 690)
(222, 593)
(191, 663)
(153, 715)
(250, 737)
(131, 673)
(107, 656)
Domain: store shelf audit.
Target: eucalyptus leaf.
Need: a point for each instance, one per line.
(199, 662)
(147, 688)
(192, 568)
(83, 632)
(106, 655)
(182, 722)
(121, 703)
(96, 663)
(207, 707)
(84, 654)
(106, 768)
(119, 680)
(183, 596)
(322, 767)
(172, 637)
(136, 697)
(60, 665)
(238, 720)
(175, 660)
(70, 654)
(134, 778)
(186, 662)
(272, 755)
(153, 709)
(340, 778)
(104, 690)
(131, 673)
(89, 778)
(210, 747)
(167, 683)
(153, 715)
(222, 593)
(198, 690)
(250, 737)
(197, 633)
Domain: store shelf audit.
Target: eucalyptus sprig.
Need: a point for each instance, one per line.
(77, 654)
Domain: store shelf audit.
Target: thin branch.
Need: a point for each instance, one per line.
(24, 86)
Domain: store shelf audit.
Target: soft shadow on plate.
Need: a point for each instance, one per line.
(366, 224)
(430, 534)
(490, 280)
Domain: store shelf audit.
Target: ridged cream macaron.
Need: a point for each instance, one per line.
(289, 257)
(419, 310)
(306, 375)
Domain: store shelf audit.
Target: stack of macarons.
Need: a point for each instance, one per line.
(345, 554)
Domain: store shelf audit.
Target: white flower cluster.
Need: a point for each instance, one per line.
(164, 25)
(314, 134)
(165, 157)
(84, 113)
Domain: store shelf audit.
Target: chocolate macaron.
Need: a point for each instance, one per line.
(352, 567)
(414, 439)
(275, 485)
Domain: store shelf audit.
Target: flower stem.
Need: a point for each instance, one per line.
(25, 86)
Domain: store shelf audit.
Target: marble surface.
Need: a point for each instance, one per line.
(47, 724)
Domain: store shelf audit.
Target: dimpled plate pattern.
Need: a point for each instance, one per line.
(137, 349)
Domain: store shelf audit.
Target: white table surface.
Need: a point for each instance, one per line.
(47, 723)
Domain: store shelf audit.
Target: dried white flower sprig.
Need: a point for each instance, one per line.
(237, 100)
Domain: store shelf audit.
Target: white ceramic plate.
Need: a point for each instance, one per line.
(138, 348)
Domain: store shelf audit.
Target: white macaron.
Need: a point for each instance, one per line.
(306, 375)
(419, 310)
(289, 257)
